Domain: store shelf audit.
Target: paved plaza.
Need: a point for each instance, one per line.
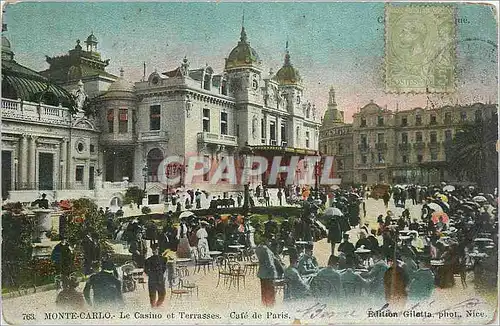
(230, 305)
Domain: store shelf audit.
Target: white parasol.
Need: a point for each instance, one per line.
(333, 211)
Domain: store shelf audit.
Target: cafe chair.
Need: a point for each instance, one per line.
(179, 292)
(322, 288)
(198, 262)
(223, 271)
(237, 273)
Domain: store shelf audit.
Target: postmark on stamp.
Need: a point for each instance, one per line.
(420, 49)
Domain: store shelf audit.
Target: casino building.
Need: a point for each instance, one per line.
(75, 129)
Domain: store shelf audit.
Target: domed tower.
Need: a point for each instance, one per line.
(333, 115)
(243, 68)
(117, 116)
(290, 84)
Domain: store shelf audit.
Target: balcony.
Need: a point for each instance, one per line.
(363, 147)
(153, 135)
(419, 145)
(404, 147)
(28, 111)
(381, 146)
(218, 139)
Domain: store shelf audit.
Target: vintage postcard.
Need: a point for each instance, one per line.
(242, 163)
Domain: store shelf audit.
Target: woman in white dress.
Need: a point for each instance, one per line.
(202, 235)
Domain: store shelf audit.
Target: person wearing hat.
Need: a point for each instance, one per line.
(202, 235)
(297, 287)
(422, 283)
(155, 268)
(347, 248)
(69, 297)
(138, 249)
(269, 270)
(308, 264)
(270, 227)
(106, 287)
(62, 256)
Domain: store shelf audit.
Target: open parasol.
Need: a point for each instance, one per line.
(437, 215)
(186, 214)
(480, 199)
(333, 211)
(449, 188)
(435, 207)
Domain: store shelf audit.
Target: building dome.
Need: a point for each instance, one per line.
(5, 42)
(243, 54)
(288, 75)
(7, 53)
(120, 88)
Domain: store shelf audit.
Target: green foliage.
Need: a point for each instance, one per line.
(134, 195)
(17, 230)
(146, 210)
(84, 217)
(472, 154)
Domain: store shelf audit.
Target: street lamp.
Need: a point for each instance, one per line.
(316, 174)
(61, 164)
(145, 170)
(245, 152)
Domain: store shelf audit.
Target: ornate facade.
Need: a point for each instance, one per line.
(114, 132)
(405, 146)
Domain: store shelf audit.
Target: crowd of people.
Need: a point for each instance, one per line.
(400, 257)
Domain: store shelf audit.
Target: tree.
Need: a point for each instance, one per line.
(472, 154)
(83, 218)
(134, 195)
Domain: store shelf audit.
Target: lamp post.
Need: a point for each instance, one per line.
(316, 174)
(244, 152)
(145, 171)
(61, 165)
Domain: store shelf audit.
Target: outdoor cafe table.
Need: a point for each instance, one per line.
(236, 246)
(183, 260)
(215, 253)
(443, 273)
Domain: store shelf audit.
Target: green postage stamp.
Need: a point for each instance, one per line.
(420, 48)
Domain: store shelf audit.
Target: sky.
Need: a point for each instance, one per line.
(338, 45)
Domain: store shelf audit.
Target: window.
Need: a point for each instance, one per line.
(237, 130)
(111, 118)
(478, 116)
(206, 168)
(308, 112)
(419, 158)
(307, 139)
(405, 159)
(325, 149)
(447, 117)
(404, 138)
(263, 131)
(363, 122)
(255, 84)
(364, 141)
(272, 129)
(463, 116)
(364, 178)
(380, 121)
(404, 121)
(283, 132)
(224, 87)
(433, 137)
(154, 117)
(79, 173)
(433, 119)
(340, 165)
(223, 123)
(418, 120)
(341, 148)
(434, 156)
(380, 138)
(123, 121)
(380, 158)
(206, 120)
(381, 177)
(418, 136)
(298, 99)
(364, 159)
(92, 148)
(447, 135)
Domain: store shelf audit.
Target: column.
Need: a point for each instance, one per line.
(23, 161)
(63, 163)
(279, 136)
(32, 163)
(266, 130)
(68, 164)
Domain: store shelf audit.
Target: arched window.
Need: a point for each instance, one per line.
(155, 156)
(364, 178)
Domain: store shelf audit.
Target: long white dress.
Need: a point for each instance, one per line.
(203, 249)
(183, 248)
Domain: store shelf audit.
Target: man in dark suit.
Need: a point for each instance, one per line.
(155, 267)
(138, 249)
(106, 287)
(270, 227)
(270, 269)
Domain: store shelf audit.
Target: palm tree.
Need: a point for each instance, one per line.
(472, 154)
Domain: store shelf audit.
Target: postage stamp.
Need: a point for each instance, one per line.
(420, 48)
(243, 163)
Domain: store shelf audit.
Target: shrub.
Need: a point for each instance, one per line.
(146, 210)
